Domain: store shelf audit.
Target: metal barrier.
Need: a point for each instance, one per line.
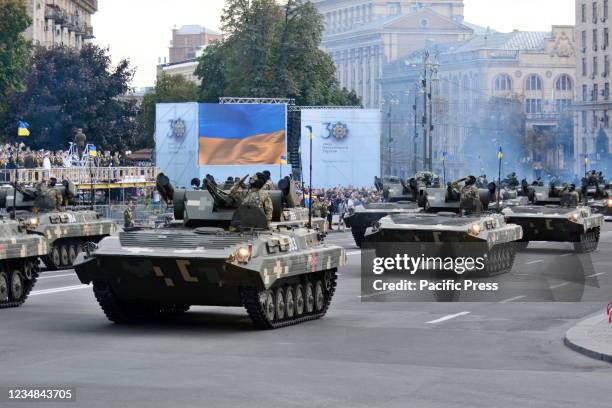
(80, 175)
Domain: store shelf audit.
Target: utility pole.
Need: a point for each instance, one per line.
(425, 119)
(416, 130)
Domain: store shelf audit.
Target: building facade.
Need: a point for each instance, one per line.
(188, 40)
(61, 22)
(475, 82)
(593, 106)
(362, 36)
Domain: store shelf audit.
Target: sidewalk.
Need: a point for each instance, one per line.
(592, 337)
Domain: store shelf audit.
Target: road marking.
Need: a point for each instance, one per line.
(384, 292)
(58, 290)
(353, 253)
(559, 285)
(513, 299)
(56, 276)
(534, 262)
(445, 318)
(596, 274)
(568, 254)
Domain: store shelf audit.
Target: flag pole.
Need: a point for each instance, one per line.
(500, 156)
(15, 181)
(310, 181)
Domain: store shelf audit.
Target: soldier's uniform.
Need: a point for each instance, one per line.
(470, 199)
(269, 185)
(128, 217)
(261, 199)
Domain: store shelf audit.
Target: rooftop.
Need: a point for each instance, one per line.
(195, 29)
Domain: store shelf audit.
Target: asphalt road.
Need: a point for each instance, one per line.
(362, 354)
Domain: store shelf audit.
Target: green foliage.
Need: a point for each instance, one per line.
(68, 89)
(14, 48)
(271, 50)
(168, 88)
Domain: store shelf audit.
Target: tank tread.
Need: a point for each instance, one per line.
(29, 284)
(589, 241)
(251, 299)
(52, 265)
(500, 260)
(119, 312)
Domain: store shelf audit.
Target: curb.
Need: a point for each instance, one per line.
(576, 337)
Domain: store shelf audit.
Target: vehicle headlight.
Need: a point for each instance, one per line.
(574, 217)
(474, 230)
(243, 254)
(609, 202)
(32, 223)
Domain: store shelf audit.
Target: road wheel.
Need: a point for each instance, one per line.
(64, 255)
(299, 300)
(309, 299)
(279, 304)
(4, 287)
(588, 242)
(268, 305)
(56, 259)
(289, 302)
(319, 296)
(16, 286)
(72, 253)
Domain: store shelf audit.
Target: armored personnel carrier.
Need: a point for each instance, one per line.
(217, 252)
(448, 234)
(19, 259)
(44, 214)
(554, 223)
(448, 199)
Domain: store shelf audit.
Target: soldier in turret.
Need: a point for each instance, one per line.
(255, 195)
(268, 185)
(128, 215)
(470, 196)
(569, 196)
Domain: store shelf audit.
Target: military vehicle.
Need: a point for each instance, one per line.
(448, 200)
(448, 234)
(393, 189)
(19, 259)
(576, 224)
(66, 231)
(217, 252)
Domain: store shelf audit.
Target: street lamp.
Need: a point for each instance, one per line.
(418, 92)
(390, 101)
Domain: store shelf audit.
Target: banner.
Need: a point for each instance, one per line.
(345, 146)
(242, 134)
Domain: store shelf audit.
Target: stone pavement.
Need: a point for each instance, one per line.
(592, 337)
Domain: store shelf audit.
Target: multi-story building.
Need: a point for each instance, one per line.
(593, 106)
(362, 36)
(489, 74)
(60, 22)
(187, 40)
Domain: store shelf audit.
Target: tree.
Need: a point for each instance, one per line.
(271, 50)
(168, 88)
(14, 48)
(68, 89)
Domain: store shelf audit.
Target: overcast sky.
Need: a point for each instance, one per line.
(140, 29)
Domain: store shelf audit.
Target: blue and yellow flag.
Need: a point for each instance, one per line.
(233, 134)
(283, 160)
(500, 154)
(23, 129)
(93, 152)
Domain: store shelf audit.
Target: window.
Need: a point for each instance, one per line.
(595, 120)
(503, 82)
(607, 91)
(534, 83)
(606, 39)
(595, 12)
(606, 65)
(562, 104)
(605, 10)
(584, 67)
(563, 83)
(583, 12)
(606, 119)
(595, 39)
(584, 145)
(533, 106)
(584, 93)
(584, 119)
(595, 93)
(583, 40)
(595, 64)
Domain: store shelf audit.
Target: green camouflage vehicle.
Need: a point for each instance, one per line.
(448, 234)
(66, 231)
(217, 253)
(19, 259)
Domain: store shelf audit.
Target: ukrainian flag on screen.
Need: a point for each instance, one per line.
(242, 134)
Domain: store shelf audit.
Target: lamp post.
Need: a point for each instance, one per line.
(390, 101)
(310, 180)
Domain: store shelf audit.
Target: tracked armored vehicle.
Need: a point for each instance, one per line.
(448, 200)
(66, 231)
(217, 253)
(576, 224)
(448, 234)
(19, 259)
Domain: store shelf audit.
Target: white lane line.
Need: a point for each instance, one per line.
(445, 318)
(56, 276)
(353, 253)
(568, 254)
(559, 285)
(596, 274)
(384, 292)
(58, 290)
(534, 262)
(513, 299)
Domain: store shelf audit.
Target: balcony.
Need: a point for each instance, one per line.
(53, 12)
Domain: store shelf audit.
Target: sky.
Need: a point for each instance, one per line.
(140, 30)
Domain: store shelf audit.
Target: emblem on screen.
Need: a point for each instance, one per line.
(177, 128)
(338, 131)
